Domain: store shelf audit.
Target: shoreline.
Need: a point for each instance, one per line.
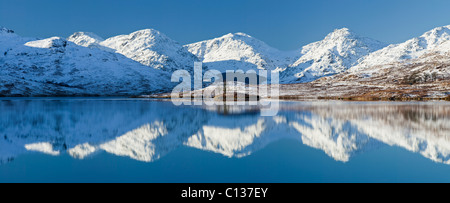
(166, 96)
(349, 99)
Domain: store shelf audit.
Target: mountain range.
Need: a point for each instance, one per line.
(142, 62)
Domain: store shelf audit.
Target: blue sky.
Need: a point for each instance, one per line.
(284, 24)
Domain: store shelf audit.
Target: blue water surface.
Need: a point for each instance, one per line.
(135, 140)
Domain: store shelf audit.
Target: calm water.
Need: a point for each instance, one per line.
(131, 140)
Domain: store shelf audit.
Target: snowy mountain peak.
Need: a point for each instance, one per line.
(53, 42)
(437, 36)
(436, 40)
(339, 51)
(237, 35)
(57, 67)
(340, 33)
(343, 30)
(343, 40)
(236, 38)
(147, 37)
(152, 48)
(238, 51)
(148, 32)
(438, 31)
(85, 39)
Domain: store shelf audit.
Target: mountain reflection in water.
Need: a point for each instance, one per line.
(147, 130)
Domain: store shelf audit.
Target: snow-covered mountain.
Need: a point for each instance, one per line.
(418, 68)
(436, 40)
(57, 67)
(239, 51)
(143, 61)
(8, 40)
(153, 48)
(339, 51)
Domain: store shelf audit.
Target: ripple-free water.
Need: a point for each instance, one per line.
(136, 140)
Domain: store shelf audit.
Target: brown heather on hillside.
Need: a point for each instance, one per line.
(425, 78)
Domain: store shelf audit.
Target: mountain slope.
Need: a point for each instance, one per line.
(239, 51)
(8, 40)
(87, 39)
(417, 68)
(152, 48)
(338, 52)
(56, 67)
(427, 77)
(435, 40)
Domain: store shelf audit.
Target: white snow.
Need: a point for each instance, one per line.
(239, 51)
(152, 48)
(339, 51)
(57, 67)
(142, 62)
(87, 39)
(53, 42)
(432, 41)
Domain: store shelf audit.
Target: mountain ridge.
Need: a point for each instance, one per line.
(411, 49)
(57, 67)
(238, 51)
(336, 53)
(342, 52)
(152, 48)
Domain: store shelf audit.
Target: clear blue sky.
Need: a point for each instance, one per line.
(284, 24)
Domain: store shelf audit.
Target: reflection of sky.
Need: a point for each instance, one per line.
(123, 131)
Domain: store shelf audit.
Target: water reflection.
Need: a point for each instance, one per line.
(147, 130)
